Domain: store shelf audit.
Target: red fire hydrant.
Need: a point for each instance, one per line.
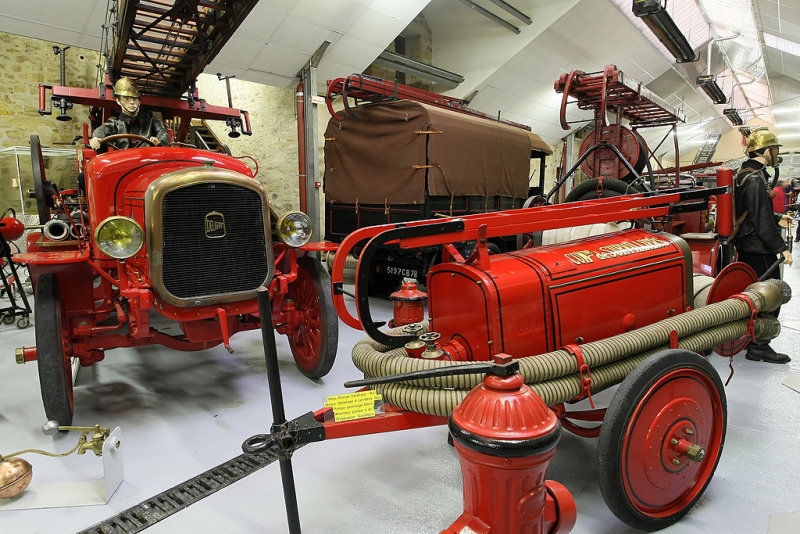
(408, 305)
(505, 437)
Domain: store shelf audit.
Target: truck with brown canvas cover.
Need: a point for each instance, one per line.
(406, 161)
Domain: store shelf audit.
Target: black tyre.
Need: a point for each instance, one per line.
(661, 439)
(611, 188)
(316, 336)
(54, 362)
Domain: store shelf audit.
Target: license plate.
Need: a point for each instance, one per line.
(399, 270)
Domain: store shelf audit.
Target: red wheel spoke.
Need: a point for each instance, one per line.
(313, 332)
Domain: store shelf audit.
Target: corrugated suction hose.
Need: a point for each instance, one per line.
(554, 375)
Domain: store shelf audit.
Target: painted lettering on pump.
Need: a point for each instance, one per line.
(616, 250)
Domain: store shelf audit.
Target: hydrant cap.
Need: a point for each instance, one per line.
(504, 417)
(408, 291)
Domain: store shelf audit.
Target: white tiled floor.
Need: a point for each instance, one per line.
(183, 413)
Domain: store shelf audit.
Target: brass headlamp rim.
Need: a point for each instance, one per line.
(279, 225)
(117, 218)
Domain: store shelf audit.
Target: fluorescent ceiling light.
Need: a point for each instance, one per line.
(708, 83)
(786, 124)
(733, 115)
(785, 111)
(656, 17)
(784, 45)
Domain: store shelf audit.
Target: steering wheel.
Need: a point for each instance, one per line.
(134, 137)
(42, 189)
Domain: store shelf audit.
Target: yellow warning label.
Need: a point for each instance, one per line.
(353, 405)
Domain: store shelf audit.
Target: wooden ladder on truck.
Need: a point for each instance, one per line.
(164, 45)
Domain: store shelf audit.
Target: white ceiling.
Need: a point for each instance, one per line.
(513, 73)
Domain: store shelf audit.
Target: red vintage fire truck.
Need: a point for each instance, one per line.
(159, 234)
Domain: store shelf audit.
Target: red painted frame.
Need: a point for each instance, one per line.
(103, 97)
(482, 227)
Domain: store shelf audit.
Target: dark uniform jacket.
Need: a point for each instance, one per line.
(759, 232)
(144, 124)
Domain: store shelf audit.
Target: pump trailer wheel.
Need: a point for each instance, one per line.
(661, 439)
(52, 354)
(316, 336)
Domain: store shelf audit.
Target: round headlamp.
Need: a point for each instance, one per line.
(119, 237)
(294, 229)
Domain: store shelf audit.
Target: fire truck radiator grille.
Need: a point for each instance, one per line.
(213, 240)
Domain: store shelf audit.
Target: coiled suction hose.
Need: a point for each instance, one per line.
(554, 375)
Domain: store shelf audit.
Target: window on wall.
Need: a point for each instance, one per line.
(400, 48)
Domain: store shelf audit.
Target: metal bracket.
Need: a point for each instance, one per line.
(287, 437)
(82, 493)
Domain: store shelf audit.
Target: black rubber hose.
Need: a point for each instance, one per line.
(611, 188)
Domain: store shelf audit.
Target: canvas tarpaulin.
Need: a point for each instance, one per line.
(386, 155)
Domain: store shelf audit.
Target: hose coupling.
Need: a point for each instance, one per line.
(769, 295)
(414, 348)
(783, 287)
(766, 328)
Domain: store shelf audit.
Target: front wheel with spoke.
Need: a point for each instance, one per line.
(315, 335)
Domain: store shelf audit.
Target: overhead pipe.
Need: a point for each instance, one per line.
(709, 82)
(710, 44)
(301, 146)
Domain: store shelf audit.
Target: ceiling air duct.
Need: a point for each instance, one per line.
(655, 15)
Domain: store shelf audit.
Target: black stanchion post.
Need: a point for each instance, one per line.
(278, 414)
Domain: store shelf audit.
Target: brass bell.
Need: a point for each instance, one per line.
(15, 475)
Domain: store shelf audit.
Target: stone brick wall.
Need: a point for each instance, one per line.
(274, 140)
(25, 63)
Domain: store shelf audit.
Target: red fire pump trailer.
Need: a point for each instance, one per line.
(178, 231)
(511, 334)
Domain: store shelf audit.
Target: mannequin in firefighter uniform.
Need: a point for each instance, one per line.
(759, 239)
(131, 120)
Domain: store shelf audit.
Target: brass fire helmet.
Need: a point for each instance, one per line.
(126, 87)
(15, 475)
(763, 138)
